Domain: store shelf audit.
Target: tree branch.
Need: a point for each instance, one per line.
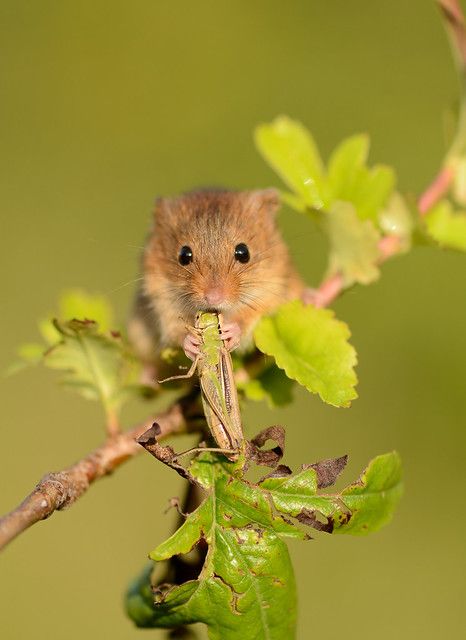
(57, 491)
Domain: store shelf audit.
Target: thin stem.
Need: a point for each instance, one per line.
(112, 423)
(436, 190)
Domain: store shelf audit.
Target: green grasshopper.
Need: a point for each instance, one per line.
(218, 389)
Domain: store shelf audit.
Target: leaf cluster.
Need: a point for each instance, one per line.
(96, 361)
(245, 581)
(352, 203)
(355, 205)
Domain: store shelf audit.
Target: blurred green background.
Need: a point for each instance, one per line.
(104, 106)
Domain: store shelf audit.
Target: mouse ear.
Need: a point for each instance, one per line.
(266, 199)
(162, 208)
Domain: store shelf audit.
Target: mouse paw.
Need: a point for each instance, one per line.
(231, 335)
(191, 345)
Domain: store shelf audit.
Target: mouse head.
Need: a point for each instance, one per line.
(217, 250)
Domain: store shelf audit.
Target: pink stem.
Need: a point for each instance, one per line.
(388, 246)
(435, 190)
(328, 291)
(331, 288)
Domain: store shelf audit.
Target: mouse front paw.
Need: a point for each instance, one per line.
(231, 335)
(191, 345)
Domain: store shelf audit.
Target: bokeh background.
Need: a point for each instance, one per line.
(105, 105)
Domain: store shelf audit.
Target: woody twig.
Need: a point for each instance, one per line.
(59, 490)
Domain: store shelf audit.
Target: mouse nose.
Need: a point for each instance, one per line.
(215, 295)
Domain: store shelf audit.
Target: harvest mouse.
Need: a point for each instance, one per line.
(211, 250)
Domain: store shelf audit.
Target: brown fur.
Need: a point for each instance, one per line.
(212, 223)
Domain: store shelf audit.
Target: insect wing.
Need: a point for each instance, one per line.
(231, 396)
(217, 417)
(212, 390)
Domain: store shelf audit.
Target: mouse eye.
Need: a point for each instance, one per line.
(242, 252)
(185, 255)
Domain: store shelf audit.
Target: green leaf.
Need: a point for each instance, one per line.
(139, 598)
(312, 347)
(447, 227)
(291, 151)
(29, 353)
(80, 305)
(361, 508)
(73, 304)
(293, 494)
(373, 498)
(48, 330)
(272, 385)
(345, 164)
(395, 219)
(354, 248)
(246, 582)
(294, 201)
(372, 190)
(349, 179)
(96, 365)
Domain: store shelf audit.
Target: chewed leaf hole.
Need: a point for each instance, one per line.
(180, 568)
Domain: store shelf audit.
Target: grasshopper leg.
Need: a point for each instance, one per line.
(226, 452)
(183, 376)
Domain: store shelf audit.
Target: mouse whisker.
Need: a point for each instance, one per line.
(126, 284)
(249, 304)
(259, 285)
(253, 295)
(256, 296)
